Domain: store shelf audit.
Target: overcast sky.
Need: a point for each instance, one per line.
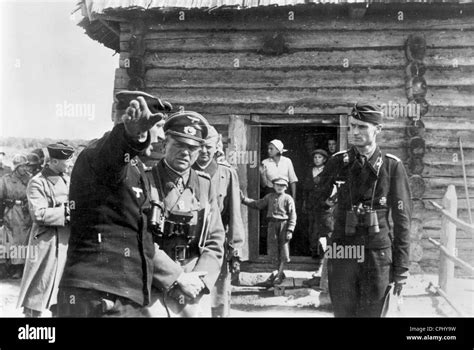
(55, 81)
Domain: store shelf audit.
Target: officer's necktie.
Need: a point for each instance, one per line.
(179, 185)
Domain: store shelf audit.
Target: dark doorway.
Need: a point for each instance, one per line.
(300, 140)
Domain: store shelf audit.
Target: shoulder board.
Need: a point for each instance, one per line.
(393, 157)
(227, 165)
(340, 152)
(203, 174)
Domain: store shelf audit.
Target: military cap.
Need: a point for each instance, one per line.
(33, 159)
(60, 150)
(367, 112)
(212, 135)
(280, 181)
(19, 159)
(321, 152)
(188, 127)
(154, 103)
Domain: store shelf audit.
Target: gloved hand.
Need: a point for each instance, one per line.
(289, 235)
(397, 289)
(234, 264)
(138, 119)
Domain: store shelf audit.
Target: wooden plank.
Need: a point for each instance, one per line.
(251, 78)
(451, 214)
(300, 96)
(317, 59)
(239, 21)
(447, 244)
(312, 106)
(225, 41)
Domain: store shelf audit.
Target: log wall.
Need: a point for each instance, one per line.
(243, 64)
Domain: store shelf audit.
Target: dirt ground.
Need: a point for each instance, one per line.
(306, 302)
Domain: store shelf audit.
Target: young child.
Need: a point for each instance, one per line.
(281, 215)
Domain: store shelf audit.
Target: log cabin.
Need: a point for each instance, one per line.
(292, 70)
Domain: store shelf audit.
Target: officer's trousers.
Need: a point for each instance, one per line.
(357, 289)
(80, 302)
(221, 293)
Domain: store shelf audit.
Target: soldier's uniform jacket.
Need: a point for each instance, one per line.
(4, 170)
(392, 194)
(225, 178)
(110, 249)
(205, 251)
(14, 210)
(47, 194)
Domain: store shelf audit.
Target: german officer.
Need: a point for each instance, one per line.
(228, 198)
(112, 260)
(371, 184)
(189, 228)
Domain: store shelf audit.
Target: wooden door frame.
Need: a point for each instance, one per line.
(328, 119)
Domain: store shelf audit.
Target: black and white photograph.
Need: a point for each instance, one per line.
(237, 159)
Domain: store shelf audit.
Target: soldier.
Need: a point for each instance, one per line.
(4, 169)
(112, 260)
(228, 198)
(371, 184)
(190, 229)
(14, 212)
(48, 193)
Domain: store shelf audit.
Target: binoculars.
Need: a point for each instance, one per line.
(156, 221)
(361, 217)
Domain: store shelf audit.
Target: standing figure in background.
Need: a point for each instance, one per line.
(15, 217)
(281, 213)
(228, 198)
(315, 207)
(277, 166)
(4, 169)
(332, 146)
(48, 196)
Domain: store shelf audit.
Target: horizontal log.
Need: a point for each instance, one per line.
(435, 57)
(301, 96)
(239, 21)
(246, 78)
(309, 107)
(222, 41)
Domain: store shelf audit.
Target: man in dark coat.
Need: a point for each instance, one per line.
(364, 253)
(112, 260)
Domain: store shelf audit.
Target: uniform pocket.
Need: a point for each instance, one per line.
(382, 257)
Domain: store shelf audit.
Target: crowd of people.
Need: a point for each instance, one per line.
(115, 235)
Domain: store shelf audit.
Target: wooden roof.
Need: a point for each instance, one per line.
(100, 6)
(101, 17)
